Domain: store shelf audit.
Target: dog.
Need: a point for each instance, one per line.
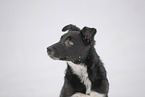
(85, 75)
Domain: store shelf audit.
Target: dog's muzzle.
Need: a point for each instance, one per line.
(50, 51)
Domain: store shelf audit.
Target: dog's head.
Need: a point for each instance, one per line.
(74, 45)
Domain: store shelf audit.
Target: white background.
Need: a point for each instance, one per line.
(28, 27)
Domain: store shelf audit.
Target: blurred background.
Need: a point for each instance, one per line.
(28, 27)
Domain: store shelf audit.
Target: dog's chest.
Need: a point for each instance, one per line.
(81, 71)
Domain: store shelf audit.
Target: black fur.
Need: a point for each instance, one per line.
(88, 35)
(71, 28)
(82, 51)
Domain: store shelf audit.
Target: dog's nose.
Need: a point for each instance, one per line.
(50, 51)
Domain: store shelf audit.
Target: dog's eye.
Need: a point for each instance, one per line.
(68, 42)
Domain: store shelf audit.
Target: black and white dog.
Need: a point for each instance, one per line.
(85, 74)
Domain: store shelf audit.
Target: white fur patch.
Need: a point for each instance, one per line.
(80, 95)
(81, 71)
(92, 94)
(96, 94)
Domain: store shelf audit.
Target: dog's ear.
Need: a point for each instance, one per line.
(88, 35)
(70, 27)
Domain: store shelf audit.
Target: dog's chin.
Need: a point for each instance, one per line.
(60, 58)
(66, 59)
(54, 58)
(57, 58)
(63, 59)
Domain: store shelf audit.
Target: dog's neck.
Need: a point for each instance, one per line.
(90, 55)
(81, 71)
(93, 58)
(92, 61)
(86, 68)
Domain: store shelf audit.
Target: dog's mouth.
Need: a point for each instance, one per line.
(67, 58)
(53, 57)
(62, 58)
(57, 58)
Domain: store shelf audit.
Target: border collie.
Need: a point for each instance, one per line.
(85, 74)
